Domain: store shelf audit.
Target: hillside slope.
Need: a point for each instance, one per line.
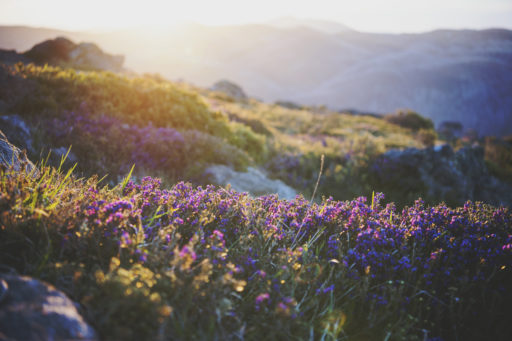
(445, 75)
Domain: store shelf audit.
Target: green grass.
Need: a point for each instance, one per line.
(147, 263)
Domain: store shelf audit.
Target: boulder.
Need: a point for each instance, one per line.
(11, 155)
(17, 132)
(231, 89)
(440, 174)
(53, 51)
(254, 181)
(33, 310)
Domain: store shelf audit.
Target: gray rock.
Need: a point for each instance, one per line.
(33, 310)
(254, 181)
(11, 155)
(440, 174)
(58, 153)
(17, 132)
(229, 88)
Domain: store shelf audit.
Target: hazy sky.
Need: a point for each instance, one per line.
(363, 15)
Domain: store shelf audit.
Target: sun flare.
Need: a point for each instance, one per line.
(364, 15)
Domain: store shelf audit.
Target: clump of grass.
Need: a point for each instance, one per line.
(189, 262)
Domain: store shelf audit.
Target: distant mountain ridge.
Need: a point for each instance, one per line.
(447, 75)
(324, 26)
(63, 52)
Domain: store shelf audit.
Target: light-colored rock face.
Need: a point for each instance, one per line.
(254, 181)
(33, 310)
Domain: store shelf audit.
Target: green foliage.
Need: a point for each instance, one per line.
(147, 263)
(498, 155)
(411, 120)
(246, 139)
(298, 138)
(133, 100)
(427, 137)
(113, 121)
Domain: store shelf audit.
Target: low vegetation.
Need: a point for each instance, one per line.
(149, 263)
(174, 131)
(114, 121)
(151, 259)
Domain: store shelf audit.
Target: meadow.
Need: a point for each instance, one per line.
(171, 257)
(175, 131)
(151, 263)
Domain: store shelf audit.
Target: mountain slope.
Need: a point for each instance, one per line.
(445, 75)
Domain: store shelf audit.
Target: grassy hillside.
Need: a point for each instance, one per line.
(114, 121)
(152, 259)
(300, 137)
(174, 130)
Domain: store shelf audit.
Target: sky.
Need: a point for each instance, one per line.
(386, 16)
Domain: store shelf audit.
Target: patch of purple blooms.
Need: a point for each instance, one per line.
(436, 246)
(283, 262)
(106, 144)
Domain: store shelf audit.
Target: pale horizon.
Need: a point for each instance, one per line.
(393, 16)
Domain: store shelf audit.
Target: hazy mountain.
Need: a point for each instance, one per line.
(461, 75)
(324, 26)
(22, 38)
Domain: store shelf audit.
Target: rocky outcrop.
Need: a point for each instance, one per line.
(83, 56)
(19, 135)
(17, 132)
(440, 174)
(254, 181)
(11, 155)
(231, 89)
(33, 310)
(12, 57)
(51, 51)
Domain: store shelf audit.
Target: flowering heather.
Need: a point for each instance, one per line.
(106, 144)
(188, 262)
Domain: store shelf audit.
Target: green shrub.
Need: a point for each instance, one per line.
(411, 120)
(498, 155)
(427, 137)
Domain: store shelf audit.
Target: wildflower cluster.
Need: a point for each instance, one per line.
(193, 262)
(107, 144)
